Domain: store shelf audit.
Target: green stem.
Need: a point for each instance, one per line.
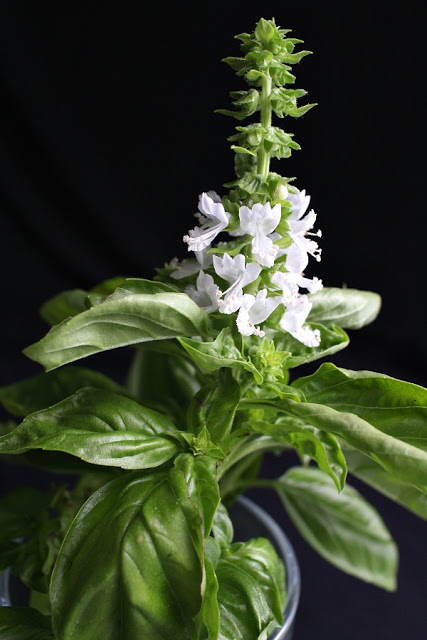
(263, 155)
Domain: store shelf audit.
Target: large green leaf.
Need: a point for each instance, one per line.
(331, 340)
(99, 427)
(138, 311)
(45, 389)
(222, 352)
(342, 527)
(139, 540)
(251, 594)
(24, 623)
(402, 492)
(396, 456)
(347, 308)
(395, 407)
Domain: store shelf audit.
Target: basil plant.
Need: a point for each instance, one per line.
(142, 545)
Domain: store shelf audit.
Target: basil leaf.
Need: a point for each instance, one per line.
(24, 623)
(396, 456)
(347, 308)
(222, 527)
(405, 494)
(45, 389)
(136, 312)
(396, 408)
(250, 590)
(342, 527)
(319, 445)
(331, 340)
(214, 406)
(210, 608)
(139, 581)
(199, 475)
(99, 427)
(211, 356)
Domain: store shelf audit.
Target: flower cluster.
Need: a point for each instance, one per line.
(273, 283)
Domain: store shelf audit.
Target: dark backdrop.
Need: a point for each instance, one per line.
(107, 135)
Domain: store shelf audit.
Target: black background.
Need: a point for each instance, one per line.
(107, 136)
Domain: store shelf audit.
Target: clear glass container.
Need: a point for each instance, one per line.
(250, 521)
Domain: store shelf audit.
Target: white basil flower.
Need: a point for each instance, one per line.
(254, 311)
(188, 267)
(213, 219)
(206, 293)
(309, 337)
(299, 228)
(259, 222)
(297, 310)
(290, 282)
(239, 275)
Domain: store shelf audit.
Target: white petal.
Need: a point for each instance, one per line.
(264, 250)
(309, 337)
(206, 293)
(232, 302)
(213, 210)
(299, 203)
(295, 315)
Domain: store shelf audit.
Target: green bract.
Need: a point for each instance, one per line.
(141, 545)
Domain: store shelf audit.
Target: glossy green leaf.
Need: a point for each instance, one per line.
(346, 308)
(210, 608)
(222, 352)
(331, 340)
(99, 427)
(342, 527)
(251, 594)
(139, 581)
(24, 623)
(222, 527)
(318, 445)
(404, 460)
(138, 311)
(200, 476)
(215, 405)
(396, 408)
(45, 389)
(404, 493)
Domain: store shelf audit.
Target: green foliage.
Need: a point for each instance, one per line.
(138, 311)
(23, 623)
(139, 580)
(342, 527)
(142, 546)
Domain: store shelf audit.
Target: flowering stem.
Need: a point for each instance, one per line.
(264, 155)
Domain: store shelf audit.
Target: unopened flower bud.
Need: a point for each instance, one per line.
(281, 192)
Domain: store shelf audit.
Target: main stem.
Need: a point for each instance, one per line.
(263, 155)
